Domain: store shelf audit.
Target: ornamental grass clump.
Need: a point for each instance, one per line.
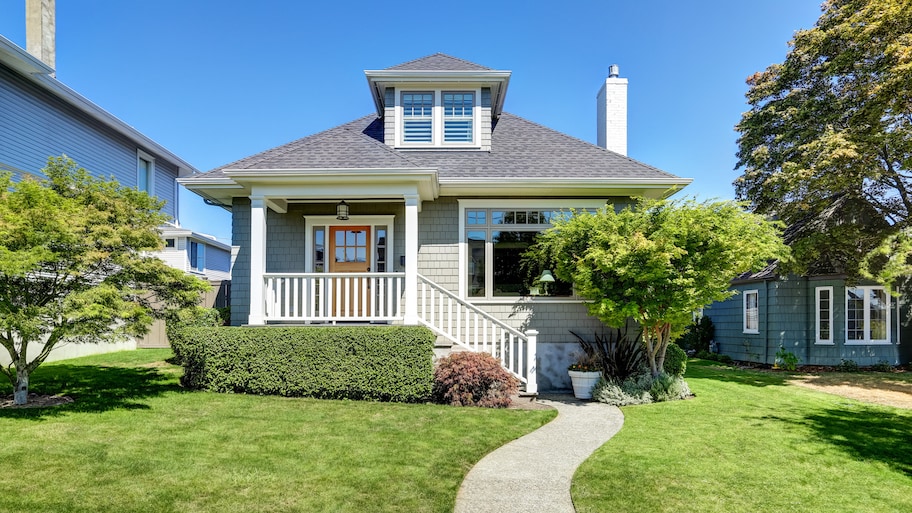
(473, 379)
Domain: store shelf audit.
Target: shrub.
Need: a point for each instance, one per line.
(786, 359)
(667, 387)
(473, 379)
(641, 388)
(724, 358)
(194, 316)
(620, 355)
(721, 358)
(847, 366)
(675, 360)
(882, 366)
(389, 363)
(698, 335)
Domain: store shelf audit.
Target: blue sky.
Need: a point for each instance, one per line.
(218, 80)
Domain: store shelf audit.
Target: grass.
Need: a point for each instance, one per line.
(749, 441)
(135, 441)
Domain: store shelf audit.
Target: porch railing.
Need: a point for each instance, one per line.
(470, 327)
(328, 297)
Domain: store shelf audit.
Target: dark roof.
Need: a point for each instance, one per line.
(439, 62)
(519, 148)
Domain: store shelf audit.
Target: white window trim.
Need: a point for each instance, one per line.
(329, 220)
(149, 158)
(437, 141)
(745, 294)
(510, 203)
(830, 341)
(867, 310)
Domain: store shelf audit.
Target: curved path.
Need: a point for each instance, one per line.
(533, 473)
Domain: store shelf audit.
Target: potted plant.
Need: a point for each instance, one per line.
(584, 374)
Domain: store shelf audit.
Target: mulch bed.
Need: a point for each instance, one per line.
(36, 401)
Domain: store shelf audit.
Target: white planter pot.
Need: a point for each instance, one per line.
(583, 381)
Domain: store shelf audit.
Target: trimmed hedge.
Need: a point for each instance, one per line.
(382, 363)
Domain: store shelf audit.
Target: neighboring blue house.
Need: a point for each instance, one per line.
(419, 212)
(41, 117)
(820, 319)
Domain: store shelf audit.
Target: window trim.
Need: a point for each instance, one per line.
(143, 156)
(868, 341)
(817, 340)
(529, 204)
(437, 117)
(744, 312)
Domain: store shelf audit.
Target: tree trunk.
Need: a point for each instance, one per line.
(20, 393)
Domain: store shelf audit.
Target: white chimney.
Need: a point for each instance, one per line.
(40, 29)
(612, 112)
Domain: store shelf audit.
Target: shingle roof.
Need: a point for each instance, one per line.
(519, 149)
(439, 62)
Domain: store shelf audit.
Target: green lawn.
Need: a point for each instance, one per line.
(751, 442)
(135, 441)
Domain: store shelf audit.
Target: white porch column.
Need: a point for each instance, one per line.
(257, 260)
(531, 362)
(411, 259)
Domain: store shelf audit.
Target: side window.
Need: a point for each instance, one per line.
(751, 311)
(145, 172)
(824, 315)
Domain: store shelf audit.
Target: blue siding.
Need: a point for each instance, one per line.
(35, 125)
(788, 319)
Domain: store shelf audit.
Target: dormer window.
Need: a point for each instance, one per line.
(457, 117)
(437, 118)
(417, 117)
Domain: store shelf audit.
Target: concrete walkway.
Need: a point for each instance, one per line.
(533, 473)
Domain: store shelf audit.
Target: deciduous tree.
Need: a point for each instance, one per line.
(827, 143)
(73, 266)
(658, 262)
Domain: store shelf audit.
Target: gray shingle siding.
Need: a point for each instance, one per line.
(240, 273)
(35, 125)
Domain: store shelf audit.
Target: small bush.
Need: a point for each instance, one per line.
(667, 387)
(847, 366)
(786, 359)
(675, 360)
(721, 358)
(473, 379)
(698, 335)
(192, 317)
(641, 388)
(882, 366)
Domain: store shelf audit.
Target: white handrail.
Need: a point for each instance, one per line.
(468, 326)
(322, 297)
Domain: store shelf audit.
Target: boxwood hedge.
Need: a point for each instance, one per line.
(383, 363)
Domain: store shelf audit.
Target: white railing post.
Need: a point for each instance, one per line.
(531, 365)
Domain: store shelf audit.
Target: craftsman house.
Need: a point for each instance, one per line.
(418, 214)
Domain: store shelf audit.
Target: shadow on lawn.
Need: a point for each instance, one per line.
(94, 389)
(865, 432)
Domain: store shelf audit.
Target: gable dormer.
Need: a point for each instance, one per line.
(438, 102)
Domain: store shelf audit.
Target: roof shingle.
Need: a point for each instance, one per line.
(439, 62)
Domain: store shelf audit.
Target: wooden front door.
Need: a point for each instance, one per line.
(350, 252)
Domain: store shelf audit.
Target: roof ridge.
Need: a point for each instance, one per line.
(438, 54)
(594, 146)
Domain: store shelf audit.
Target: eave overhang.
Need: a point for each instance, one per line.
(654, 188)
(281, 187)
(497, 80)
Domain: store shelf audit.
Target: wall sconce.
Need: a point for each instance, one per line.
(342, 211)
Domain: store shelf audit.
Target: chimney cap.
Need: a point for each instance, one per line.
(613, 71)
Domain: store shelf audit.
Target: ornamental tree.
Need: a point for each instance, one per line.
(657, 262)
(827, 143)
(73, 267)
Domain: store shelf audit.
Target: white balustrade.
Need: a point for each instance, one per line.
(330, 297)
